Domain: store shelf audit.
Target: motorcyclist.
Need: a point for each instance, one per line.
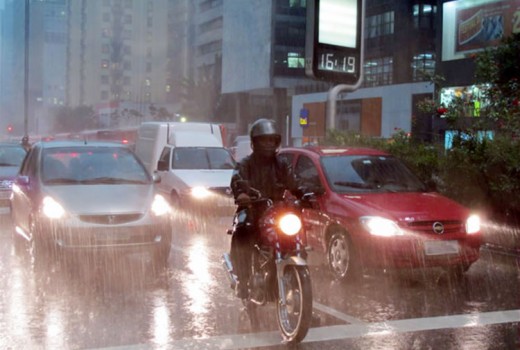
(265, 171)
(25, 143)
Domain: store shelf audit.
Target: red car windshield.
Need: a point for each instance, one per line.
(347, 174)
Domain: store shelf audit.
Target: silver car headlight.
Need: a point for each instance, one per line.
(160, 206)
(473, 224)
(52, 209)
(379, 226)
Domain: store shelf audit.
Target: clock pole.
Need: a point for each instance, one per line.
(332, 97)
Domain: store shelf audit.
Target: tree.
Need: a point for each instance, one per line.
(498, 70)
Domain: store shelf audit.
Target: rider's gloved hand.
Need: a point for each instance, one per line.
(242, 198)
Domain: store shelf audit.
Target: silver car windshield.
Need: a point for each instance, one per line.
(92, 165)
(369, 174)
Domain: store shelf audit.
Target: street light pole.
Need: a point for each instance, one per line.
(26, 74)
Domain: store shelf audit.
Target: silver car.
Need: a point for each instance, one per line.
(89, 196)
(11, 156)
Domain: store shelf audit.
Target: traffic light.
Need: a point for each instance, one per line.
(334, 41)
(9, 128)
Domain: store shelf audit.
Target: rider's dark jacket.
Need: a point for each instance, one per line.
(270, 176)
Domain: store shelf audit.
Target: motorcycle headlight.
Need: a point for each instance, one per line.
(200, 192)
(290, 224)
(160, 206)
(379, 226)
(473, 224)
(52, 209)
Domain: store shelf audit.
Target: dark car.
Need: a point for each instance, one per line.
(11, 156)
(371, 211)
(89, 196)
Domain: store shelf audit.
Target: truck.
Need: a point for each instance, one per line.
(193, 164)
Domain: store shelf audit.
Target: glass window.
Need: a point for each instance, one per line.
(191, 158)
(91, 166)
(379, 25)
(423, 66)
(369, 174)
(378, 71)
(11, 155)
(424, 16)
(307, 171)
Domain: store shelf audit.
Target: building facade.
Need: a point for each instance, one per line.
(226, 61)
(396, 76)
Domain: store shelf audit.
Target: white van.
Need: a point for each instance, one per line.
(241, 147)
(194, 166)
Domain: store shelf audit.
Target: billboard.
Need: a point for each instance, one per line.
(469, 26)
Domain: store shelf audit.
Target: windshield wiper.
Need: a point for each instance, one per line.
(8, 164)
(61, 180)
(354, 184)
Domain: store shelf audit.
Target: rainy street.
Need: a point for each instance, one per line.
(124, 303)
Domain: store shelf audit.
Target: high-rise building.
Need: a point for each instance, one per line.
(12, 64)
(221, 60)
(46, 65)
(117, 55)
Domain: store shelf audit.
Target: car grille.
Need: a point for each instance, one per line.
(6, 184)
(110, 219)
(450, 226)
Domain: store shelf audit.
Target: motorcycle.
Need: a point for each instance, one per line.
(279, 270)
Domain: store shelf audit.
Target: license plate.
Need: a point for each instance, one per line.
(441, 247)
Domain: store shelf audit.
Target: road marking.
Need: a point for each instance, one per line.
(255, 340)
(336, 313)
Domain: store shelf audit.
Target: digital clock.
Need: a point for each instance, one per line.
(334, 45)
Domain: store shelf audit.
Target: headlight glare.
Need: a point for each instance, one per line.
(160, 206)
(379, 226)
(473, 224)
(200, 192)
(290, 224)
(52, 209)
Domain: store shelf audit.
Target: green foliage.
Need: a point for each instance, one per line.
(421, 158)
(342, 138)
(498, 69)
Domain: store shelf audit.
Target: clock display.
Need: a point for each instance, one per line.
(339, 63)
(334, 45)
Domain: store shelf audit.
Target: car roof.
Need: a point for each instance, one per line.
(324, 151)
(77, 143)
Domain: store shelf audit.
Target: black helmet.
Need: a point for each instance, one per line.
(265, 140)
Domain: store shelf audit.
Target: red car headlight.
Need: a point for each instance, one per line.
(473, 224)
(379, 226)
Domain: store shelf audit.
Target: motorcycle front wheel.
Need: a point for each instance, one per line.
(294, 318)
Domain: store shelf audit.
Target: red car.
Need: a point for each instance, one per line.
(371, 211)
